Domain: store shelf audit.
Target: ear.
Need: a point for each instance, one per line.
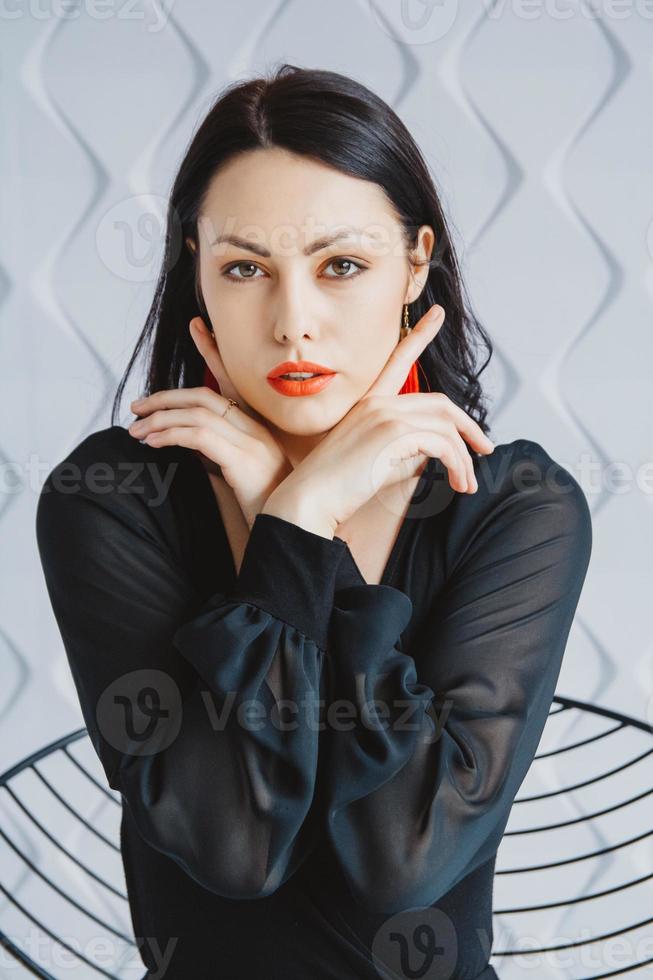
(420, 262)
(204, 341)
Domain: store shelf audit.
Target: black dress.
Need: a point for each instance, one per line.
(315, 772)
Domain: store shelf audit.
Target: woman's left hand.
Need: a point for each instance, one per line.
(383, 439)
(251, 460)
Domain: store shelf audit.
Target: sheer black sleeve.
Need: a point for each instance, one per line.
(424, 771)
(201, 713)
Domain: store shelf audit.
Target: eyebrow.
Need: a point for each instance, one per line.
(315, 246)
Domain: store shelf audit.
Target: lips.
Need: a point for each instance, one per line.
(310, 386)
(287, 367)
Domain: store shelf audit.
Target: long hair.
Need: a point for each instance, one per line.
(331, 118)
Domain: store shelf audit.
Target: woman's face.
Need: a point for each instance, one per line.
(277, 299)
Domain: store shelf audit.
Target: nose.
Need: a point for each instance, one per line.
(292, 319)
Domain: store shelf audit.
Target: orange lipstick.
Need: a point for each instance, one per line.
(298, 387)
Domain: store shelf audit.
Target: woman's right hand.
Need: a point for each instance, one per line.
(251, 460)
(382, 440)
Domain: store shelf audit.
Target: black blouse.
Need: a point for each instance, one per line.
(315, 772)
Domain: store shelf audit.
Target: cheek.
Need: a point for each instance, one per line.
(369, 350)
(223, 299)
(238, 355)
(373, 325)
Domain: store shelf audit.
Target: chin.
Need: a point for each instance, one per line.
(311, 420)
(299, 427)
(310, 415)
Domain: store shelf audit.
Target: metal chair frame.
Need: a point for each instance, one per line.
(560, 705)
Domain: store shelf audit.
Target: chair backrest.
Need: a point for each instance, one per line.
(573, 880)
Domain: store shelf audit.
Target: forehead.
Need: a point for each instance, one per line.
(265, 194)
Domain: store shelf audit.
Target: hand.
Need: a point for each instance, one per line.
(250, 458)
(384, 435)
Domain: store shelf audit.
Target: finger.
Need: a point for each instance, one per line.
(472, 485)
(449, 430)
(441, 447)
(469, 427)
(177, 398)
(393, 375)
(195, 416)
(461, 476)
(415, 402)
(213, 446)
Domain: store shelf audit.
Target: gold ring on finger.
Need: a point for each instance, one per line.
(231, 403)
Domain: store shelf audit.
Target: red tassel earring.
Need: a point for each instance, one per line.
(411, 384)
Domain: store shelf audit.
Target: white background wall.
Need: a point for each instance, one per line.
(535, 119)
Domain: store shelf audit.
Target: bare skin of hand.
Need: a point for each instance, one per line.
(383, 439)
(250, 458)
(257, 469)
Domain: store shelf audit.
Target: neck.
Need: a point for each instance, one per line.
(296, 447)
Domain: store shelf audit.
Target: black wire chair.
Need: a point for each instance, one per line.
(577, 876)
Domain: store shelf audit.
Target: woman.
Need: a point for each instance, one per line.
(315, 626)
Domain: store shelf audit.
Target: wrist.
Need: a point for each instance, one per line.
(301, 509)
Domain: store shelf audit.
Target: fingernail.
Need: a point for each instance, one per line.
(434, 313)
(137, 401)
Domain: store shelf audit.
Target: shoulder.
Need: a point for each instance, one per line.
(111, 452)
(523, 474)
(113, 444)
(526, 497)
(113, 470)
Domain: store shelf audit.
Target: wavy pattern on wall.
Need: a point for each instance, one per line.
(504, 109)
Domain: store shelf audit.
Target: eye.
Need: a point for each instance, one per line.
(239, 265)
(350, 262)
(340, 260)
